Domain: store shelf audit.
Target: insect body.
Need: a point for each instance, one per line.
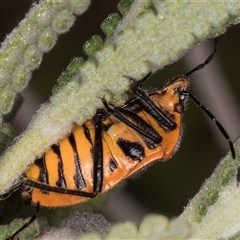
(113, 145)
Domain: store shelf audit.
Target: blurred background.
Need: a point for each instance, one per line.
(163, 188)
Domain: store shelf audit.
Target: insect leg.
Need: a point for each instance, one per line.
(26, 224)
(148, 104)
(14, 188)
(146, 130)
(98, 157)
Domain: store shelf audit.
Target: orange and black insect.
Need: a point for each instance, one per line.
(113, 145)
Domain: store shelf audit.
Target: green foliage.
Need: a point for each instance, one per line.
(28, 233)
(23, 49)
(214, 211)
(124, 6)
(110, 24)
(70, 72)
(152, 227)
(92, 45)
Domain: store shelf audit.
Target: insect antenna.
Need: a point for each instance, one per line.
(206, 62)
(208, 113)
(219, 126)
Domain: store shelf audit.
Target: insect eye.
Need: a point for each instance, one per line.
(179, 107)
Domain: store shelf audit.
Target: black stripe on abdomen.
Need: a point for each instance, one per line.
(78, 177)
(61, 182)
(43, 176)
(87, 134)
